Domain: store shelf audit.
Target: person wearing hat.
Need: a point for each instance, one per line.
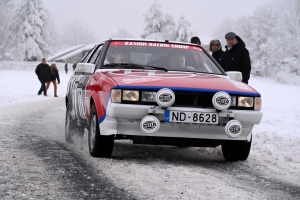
(42, 71)
(236, 57)
(216, 48)
(52, 78)
(195, 40)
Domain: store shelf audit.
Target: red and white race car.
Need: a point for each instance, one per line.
(160, 93)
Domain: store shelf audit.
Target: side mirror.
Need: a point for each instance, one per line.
(235, 75)
(85, 68)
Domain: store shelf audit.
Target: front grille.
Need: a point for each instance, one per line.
(193, 99)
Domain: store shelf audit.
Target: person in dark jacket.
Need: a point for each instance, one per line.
(195, 40)
(42, 71)
(52, 78)
(66, 67)
(74, 65)
(236, 57)
(216, 48)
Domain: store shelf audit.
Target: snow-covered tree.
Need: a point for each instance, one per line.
(121, 33)
(5, 22)
(271, 34)
(168, 28)
(154, 20)
(182, 31)
(77, 32)
(31, 27)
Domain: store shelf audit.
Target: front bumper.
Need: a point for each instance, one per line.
(125, 119)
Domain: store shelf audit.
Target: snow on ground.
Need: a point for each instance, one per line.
(275, 149)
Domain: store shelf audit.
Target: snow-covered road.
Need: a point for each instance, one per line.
(37, 163)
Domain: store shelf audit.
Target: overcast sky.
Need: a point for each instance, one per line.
(103, 16)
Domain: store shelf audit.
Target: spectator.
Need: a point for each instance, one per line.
(74, 65)
(195, 40)
(66, 67)
(42, 71)
(52, 78)
(216, 48)
(236, 57)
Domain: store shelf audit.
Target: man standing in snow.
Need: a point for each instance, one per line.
(66, 67)
(236, 57)
(42, 71)
(195, 40)
(216, 48)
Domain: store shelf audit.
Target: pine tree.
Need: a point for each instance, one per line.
(31, 27)
(76, 33)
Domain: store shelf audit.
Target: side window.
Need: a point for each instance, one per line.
(87, 56)
(96, 55)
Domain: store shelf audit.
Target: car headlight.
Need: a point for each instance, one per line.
(116, 95)
(130, 95)
(148, 96)
(245, 102)
(258, 103)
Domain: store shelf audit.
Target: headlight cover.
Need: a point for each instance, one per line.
(115, 95)
(258, 103)
(245, 102)
(130, 95)
(148, 96)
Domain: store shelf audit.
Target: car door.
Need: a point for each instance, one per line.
(77, 85)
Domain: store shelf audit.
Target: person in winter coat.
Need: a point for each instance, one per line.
(42, 71)
(52, 78)
(216, 48)
(236, 57)
(66, 67)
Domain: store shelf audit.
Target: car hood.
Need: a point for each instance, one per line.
(153, 80)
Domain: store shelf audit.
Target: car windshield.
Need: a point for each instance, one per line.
(161, 56)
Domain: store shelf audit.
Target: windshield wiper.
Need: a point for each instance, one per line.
(132, 65)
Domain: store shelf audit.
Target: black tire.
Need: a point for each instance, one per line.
(71, 128)
(236, 150)
(99, 145)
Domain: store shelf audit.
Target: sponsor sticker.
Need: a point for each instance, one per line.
(221, 100)
(150, 124)
(233, 128)
(165, 97)
(154, 44)
(138, 80)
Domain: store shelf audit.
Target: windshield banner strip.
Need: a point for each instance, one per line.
(155, 44)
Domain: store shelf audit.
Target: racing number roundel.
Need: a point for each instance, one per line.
(221, 100)
(165, 97)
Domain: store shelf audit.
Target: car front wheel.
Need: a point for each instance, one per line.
(71, 128)
(236, 150)
(99, 145)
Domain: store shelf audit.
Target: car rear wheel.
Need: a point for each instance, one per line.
(71, 128)
(236, 150)
(99, 145)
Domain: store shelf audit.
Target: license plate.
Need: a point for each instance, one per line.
(191, 117)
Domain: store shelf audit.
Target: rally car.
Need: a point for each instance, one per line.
(159, 93)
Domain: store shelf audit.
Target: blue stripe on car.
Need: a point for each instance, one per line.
(182, 89)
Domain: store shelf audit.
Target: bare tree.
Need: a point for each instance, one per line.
(121, 33)
(75, 33)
